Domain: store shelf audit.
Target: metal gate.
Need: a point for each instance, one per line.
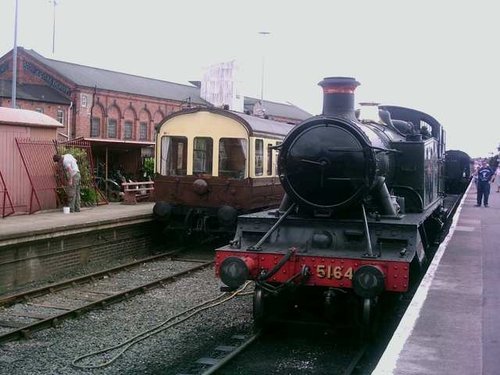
(4, 195)
(37, 160)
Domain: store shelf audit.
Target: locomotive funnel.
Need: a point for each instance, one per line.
(338, 96)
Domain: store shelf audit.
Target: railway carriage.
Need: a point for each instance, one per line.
(364, 204)
(212, 165)
(458, 171)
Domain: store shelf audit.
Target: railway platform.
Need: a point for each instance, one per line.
(41, 247)
(47, 224)
(452, 325)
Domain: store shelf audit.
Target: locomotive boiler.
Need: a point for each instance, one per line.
(363, 204)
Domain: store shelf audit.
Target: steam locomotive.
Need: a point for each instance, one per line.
(364, 201)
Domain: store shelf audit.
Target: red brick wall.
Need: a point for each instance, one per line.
(48, 259)
(122, 107)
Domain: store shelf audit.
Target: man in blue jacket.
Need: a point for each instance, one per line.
(484, 176)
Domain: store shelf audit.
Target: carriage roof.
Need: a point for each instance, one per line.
(255, 126)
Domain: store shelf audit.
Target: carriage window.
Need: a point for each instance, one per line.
(202, 155)
(232, 157)
(259, 156)
(276, 164)
(173, 156)
(269, 169)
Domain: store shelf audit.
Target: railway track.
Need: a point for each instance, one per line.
(222, 358)
(30, 311)
(221, 355)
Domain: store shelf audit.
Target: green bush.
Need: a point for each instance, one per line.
(148, 167)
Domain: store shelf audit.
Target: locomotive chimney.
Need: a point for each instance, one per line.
(338, 96)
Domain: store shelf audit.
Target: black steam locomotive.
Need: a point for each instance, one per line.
(364, 203)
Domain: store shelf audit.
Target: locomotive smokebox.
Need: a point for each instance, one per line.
(338, 96)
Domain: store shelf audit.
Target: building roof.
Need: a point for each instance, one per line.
(91, 77)
(24, 117)
(278, 109)
(38, 93)
(122, 82)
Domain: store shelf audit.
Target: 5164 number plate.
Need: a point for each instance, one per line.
(333, 272)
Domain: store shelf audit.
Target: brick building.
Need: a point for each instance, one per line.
(115, 112)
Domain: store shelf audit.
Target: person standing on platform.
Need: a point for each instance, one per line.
(484, 177)
(70, 166)
(497, 178)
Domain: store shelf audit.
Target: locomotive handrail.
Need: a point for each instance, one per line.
(357, 150)
(385, 149)
(273, 228)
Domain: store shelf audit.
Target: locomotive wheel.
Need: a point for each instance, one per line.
(367, 312)
(370, 318)
(263, 308)
(259, 308)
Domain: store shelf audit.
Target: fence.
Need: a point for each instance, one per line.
(4, 193)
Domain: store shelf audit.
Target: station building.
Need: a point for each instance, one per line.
(115, 112)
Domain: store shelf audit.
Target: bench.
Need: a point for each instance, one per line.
(137, 191)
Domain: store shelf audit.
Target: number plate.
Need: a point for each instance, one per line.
(333, 272)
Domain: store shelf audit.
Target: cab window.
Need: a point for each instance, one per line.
(232, 157)
(202, 155)
(173, 156)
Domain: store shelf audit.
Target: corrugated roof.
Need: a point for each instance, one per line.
(24, 117)
(278, 109)
(38, 93)
(109, 80)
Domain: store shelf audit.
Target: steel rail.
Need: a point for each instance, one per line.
(232, 354)
(26, 295)
(355, 360)
(25, 331)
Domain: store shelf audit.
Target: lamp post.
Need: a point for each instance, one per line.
(14, 63)
(54, 2)
(263, 33)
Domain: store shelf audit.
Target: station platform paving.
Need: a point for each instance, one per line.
(44, 224)
(452, 325)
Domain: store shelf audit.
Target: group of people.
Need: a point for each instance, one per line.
(483, 176)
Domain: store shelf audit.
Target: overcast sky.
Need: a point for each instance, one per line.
(435, 56)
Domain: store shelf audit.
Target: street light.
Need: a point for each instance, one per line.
(54, 2)
(263, 33)
(14, 63)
